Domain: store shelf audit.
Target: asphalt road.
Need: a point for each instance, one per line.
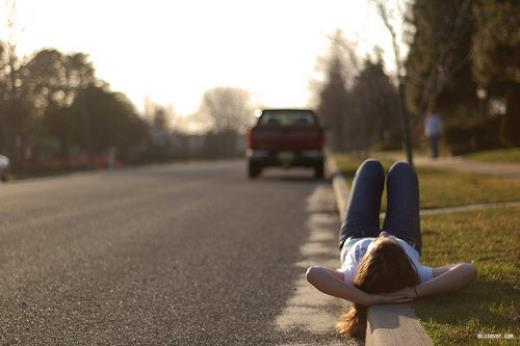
(169, 254)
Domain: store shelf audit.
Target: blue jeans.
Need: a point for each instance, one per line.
(434, 145)
(402, 215)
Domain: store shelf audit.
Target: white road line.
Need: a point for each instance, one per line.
(308, 309)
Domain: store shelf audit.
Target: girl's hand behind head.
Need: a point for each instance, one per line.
(389, 298)
(407, 292)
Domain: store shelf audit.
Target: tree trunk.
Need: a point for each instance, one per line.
(511, 124)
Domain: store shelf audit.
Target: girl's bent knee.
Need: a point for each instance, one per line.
(401, 167)
(371, 164)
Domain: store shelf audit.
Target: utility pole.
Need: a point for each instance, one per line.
(405, 119)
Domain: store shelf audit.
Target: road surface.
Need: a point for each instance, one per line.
(161, 255)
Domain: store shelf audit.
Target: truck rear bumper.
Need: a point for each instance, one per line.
(285, 158)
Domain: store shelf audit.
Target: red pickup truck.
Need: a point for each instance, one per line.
(285, 138)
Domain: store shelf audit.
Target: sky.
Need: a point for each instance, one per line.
(171, 51)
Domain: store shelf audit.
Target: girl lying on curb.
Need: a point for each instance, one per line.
(383, 267)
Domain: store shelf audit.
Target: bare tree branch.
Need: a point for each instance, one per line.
(445, 67)
(228, 109)
(384, 13)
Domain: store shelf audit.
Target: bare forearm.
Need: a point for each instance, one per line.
(329, 284)
(449, 280)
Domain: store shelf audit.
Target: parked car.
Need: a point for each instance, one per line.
(4, 168)
(286, 138)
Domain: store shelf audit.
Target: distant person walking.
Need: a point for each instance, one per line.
(433, 131)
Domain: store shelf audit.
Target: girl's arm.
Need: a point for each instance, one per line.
(439, 270)
(330, 281)
(447, 278)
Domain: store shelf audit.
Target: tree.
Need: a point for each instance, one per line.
(44, 79)
(79, 74)
(333, 106)
(388, 17)
(160, 119)
(438, 64)
(15, 110)
(15, 124)
(52, 105)
(228, 109)
(51, 80)
(104, 119)
(496, 62)
(461, 49)
(160, 146)
(334, 101)
(376, 106)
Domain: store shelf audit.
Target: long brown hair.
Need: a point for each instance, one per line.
(385, 269)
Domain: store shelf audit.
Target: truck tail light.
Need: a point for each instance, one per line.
(249, 138)
(321, 140)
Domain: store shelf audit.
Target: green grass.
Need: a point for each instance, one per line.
(511, 155)
(491, 240)
(441, 188)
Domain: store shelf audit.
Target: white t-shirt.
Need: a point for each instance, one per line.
(351, 257)
(432, 125)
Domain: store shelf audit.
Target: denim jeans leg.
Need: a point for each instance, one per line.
(402, 216)
(434, 146)
(364, 205)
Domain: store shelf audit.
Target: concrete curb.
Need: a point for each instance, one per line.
(394, 324)
(339, 186)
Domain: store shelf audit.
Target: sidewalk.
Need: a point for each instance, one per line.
(502, 170)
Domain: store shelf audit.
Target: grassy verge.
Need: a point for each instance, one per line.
(511, 155)
(491, 240)
(440, 188)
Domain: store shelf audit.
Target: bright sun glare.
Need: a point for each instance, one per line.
(172, 51)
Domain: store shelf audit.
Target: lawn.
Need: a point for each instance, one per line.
(440, 188)
(511, 155)
(491, 240)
